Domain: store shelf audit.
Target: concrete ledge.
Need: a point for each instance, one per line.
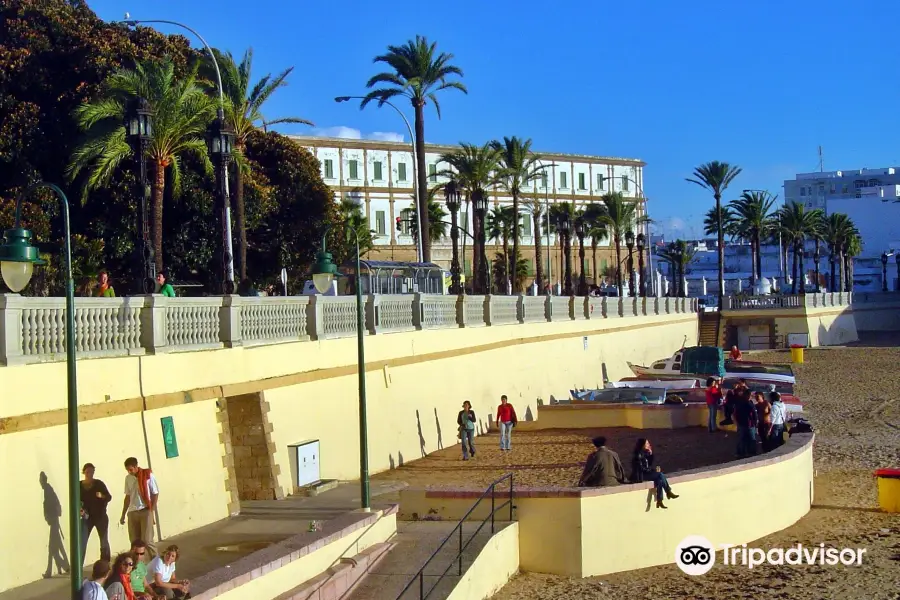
(338, 581)
(297, 558)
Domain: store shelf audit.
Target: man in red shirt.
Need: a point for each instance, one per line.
(713, 399)
(736, 353)
(506, 420)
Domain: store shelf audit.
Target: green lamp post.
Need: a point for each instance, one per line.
(17, 260)
(323, 273)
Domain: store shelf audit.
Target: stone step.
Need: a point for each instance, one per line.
(338, 580)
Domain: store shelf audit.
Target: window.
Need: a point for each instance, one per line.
(874, 182)
(380, 222)
(625, 183)
(803, 191)
(581, 185)
(600, 180)
(562, 180)
(544, 180)
(376, 168)
(845, 188)
(526, 226)
(405, 217)
(401, 171)
(832, 188)
(354, 169)
(859, 183)
(329, 168)
(659, 365)
(432, 172)
(821, 189)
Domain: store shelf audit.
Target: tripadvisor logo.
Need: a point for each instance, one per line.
(696, 555)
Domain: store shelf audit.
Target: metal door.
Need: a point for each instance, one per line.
(308, 463)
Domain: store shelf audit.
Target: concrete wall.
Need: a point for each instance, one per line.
(416, 382)
(882, 314)
(497, 562)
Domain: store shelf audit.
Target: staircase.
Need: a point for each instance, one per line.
(709, 329)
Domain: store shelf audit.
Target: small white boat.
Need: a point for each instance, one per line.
(685, 362)
(666, 384)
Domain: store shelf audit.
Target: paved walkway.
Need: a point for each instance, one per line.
(415, 543)
(260, 524)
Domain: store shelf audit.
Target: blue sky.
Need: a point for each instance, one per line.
(756, 83)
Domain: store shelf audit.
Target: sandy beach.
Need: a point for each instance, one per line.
(852, 400)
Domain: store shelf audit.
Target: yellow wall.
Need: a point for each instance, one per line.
(497, 562)
(637, 416)
(826, 326)
(312, 391)
(307, 567)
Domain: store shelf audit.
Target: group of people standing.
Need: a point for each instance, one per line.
(603, 467)
(131, 576)
(760, 418)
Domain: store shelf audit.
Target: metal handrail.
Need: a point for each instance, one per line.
(420, 574)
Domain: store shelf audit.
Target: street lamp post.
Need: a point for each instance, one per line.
(564, 228)
(479, 205)
(884, 262)
(451, 193)
(220, 138)
(582, 281)
(412, 143)
(324, 272)
(640, 248)
(17, 260)
(227, 242)
(629, 243)
(139, 129)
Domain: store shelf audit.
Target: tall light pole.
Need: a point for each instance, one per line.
(139, 130)
(324, 272)
(17, 260)
(412, 143)
(551, 166)
(217, 131)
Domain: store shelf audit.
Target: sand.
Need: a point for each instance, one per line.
(852, 399)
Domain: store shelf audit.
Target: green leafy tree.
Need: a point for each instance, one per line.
(678, 255)
(597, 230)
(417, 73)
(797, 225)
(620, 218)
(437, 227)
(837, 231)
(501, 226)
(538, 215)
(500, 279)
(354, 219)
(181, 113)
(716, 176)
(752, 218)
(711, 222)
(244, 101)
(518, 167)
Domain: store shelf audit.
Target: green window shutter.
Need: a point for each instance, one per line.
(354, 169)
(581, 185)
(329, 169)
(562, 180)
(377, 170)
(432, 172)
(401, 172)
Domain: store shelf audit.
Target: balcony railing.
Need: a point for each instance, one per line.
(33, 329)
(810, 300)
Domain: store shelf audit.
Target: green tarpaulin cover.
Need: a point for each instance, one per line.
(703, 360)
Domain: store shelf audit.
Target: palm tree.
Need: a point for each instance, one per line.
(557, 212)
(597, 229)
(798, 225)
(243, 111)
(711, 222)
(518, 167)
(502, 225)
(475, 169)
(852, 248)
(621, 217)
(753, 221)
(679, 255)
(437, 228)
(536, 208)
(837, 230)
(716, 176)
(182, 111)
(419, 72)
(352, 215)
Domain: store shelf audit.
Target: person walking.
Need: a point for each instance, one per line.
(94, 499)
(603, 467)
(763, 421)
(506, 420)
(466, 422)
(162, 287)
(141, 497)
(104, 289)
(779, 418)
(713, 399)
(642, 469)
(745, 419)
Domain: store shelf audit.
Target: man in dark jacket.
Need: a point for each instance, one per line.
(603, 467)
(745, 418)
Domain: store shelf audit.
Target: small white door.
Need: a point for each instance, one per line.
(308, 463)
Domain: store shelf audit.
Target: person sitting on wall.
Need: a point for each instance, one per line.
(642, 469)
(603, 467)
(162, 570)
(736, 353)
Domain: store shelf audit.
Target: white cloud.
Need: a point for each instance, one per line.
(385, 136)
(350, 133)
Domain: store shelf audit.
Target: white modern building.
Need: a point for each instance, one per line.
(379, 176)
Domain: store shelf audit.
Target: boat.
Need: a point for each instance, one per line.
(706, 361)
(668, 384)
(643, 395)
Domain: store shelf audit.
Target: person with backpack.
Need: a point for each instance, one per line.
(745, 418)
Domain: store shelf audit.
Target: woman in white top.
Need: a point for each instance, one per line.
(93, 588)
(161, 571)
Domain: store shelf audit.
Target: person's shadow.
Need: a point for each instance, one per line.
(440, 437)
(421, 435)
(56, 551)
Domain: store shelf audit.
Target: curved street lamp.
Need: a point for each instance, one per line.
(629, 243)
(323, 274)
(412, 141)
(218, 130)
(452, 198)
(17, 260)
(139, 131)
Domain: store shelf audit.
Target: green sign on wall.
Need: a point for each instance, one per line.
(169, 439)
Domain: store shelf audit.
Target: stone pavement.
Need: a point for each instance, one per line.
(414, 544)
(260, 524)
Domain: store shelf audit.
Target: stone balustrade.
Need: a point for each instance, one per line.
(33, 329)
(809, 300)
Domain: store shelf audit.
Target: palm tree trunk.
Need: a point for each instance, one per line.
(465, 226)
(596, 274)
(801, 269)
(831, 264)
(507, 278)
(159, 187)
(794, 270)
(538, 264)
(720, 235)
(511, 267)
(758, 257)
(240, 221)
(616, 241)
(422, 182)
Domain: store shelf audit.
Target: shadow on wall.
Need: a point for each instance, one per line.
(437, 424)
(56, 551)
(529, 416)
(421, 435)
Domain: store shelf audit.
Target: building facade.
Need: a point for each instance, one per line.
(380, 177)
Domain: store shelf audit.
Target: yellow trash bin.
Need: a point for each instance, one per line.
(797, 355)
(888, 489)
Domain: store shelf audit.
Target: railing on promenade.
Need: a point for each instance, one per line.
(809, 300)
(32, 329)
